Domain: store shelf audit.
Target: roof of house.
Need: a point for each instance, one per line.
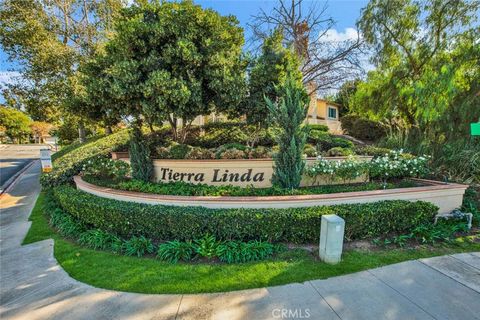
(329, 102)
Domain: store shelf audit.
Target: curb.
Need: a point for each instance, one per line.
(14, 179)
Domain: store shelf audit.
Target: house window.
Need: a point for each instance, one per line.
(332, 113)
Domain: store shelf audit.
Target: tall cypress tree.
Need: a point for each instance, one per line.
(140, 161)
(288, 115)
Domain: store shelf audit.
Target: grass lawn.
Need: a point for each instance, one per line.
(147, 275)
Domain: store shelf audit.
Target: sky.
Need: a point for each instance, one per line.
(344, 12)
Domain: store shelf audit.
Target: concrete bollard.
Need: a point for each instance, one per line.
(331, 238)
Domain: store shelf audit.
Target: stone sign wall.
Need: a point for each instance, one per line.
(243, 173)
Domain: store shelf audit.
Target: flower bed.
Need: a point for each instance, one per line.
(222, 192)
(188, 189)
(447, 196)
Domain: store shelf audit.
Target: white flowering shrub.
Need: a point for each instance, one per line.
(348, 169)
(393, 165)
(106, 168)
(398, 165)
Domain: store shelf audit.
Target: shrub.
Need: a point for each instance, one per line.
(174, 251)
(65, 225)
(218, 134)
(70, 164)
(237, 252)
(138, 246)
(325, 141)
(140, 160)
(197, 153)
(342, 143)
(206, 246)
(162, 152)
(258, 153)
(319, 127)
(361, 128)
(443, 231)
(100, 240)
(394, 165)
(339, 152)
(232, 154)
(297, 225)
(371, 151)
(459, 160)
(471, 203)
(317, 136)
(229, 147)
(104, 167)
(332, 171)
(429, 233)
(266, 137)
(310, 151)
(179, 151)
(397, 165)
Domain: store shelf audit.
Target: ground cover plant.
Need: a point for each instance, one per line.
(149, 275)
(230, 140)
(206, 247)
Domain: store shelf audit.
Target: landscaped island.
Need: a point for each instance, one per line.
(219, 158)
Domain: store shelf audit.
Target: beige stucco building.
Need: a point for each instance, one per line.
(324, 112)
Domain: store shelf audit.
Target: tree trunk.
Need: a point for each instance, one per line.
(173, 125)
(255, 136)
(185, 129)
(81, 133)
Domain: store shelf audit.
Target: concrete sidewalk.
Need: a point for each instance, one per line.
(34, 286)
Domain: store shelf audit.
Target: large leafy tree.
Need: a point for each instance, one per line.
(345, 94)
(15, 123)
(169, 62)
(49, 40)
(427, 60)
(268, 71)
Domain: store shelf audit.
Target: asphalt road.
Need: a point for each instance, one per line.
(14, 157)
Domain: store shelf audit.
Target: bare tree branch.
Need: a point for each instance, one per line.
(326, 63)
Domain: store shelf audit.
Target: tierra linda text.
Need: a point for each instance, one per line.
(218, 176)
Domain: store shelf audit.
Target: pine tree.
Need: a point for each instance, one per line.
(288, 115)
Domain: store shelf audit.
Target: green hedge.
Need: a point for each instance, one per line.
(326, 141)
(363, 129)
(70, 163)
(298, 225)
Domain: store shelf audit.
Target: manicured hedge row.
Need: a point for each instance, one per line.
(298, 225)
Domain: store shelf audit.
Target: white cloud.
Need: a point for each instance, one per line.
(7, 77)
(332, 35)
